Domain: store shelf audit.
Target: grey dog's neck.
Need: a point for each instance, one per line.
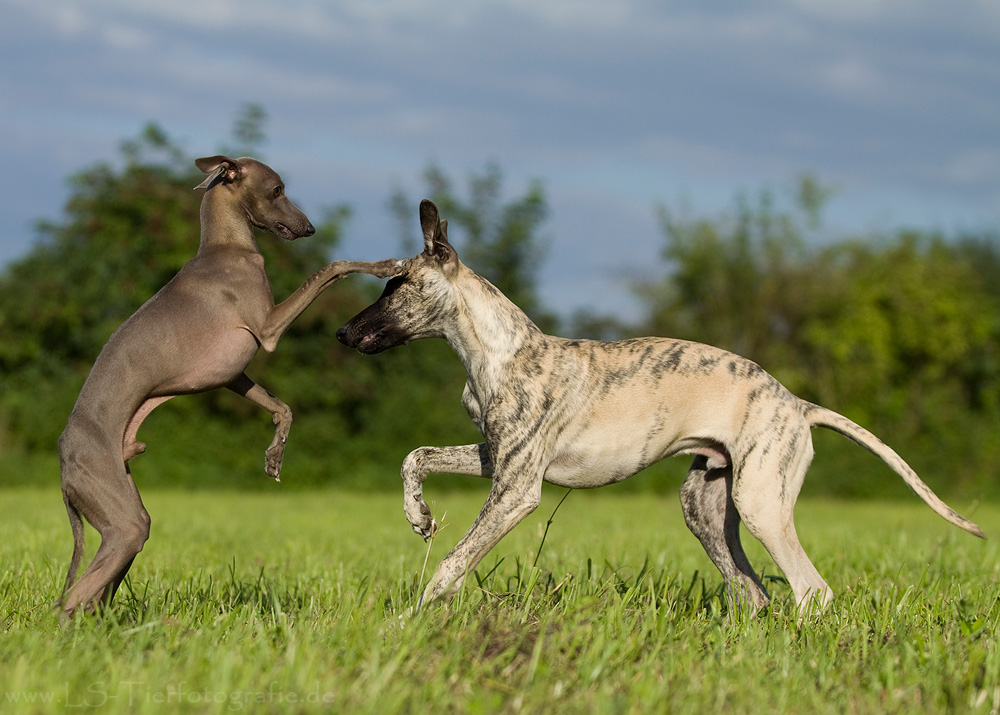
(224, 223)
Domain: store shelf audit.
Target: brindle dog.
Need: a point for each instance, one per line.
(584, 413)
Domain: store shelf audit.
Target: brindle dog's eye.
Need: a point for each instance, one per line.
(392, 285)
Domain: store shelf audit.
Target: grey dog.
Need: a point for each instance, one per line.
(197, 333)
(585, 413)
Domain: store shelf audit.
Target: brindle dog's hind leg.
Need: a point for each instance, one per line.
(711, 516)
(764, 493)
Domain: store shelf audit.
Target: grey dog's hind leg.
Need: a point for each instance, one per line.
(113, 507)
(711, 516)
(76, 524)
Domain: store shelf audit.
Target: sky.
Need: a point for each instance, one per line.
(615, 106)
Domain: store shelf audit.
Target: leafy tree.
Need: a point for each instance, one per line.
(737, 280)
(589, 323)
(248, 131)
(912, 313)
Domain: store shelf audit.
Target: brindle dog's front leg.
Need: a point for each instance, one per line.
(470, 459)
(510, 500)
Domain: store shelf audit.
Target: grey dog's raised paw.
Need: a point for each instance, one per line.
(273, 458)
(387, 268)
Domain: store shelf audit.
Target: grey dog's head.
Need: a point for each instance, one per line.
(416, 303)
(259, 192)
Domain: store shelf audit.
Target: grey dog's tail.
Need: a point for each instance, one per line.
(822, 417)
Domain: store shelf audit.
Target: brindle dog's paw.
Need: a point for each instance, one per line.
(419, 516)
(426, 531)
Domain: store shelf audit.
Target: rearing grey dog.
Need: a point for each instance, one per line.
(584, 413)
(197, 333)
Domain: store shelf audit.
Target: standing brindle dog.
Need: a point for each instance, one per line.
(584, 413)
(197, 333)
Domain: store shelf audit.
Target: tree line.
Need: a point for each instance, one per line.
(899, 331)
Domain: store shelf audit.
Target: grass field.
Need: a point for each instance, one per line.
(290, 602)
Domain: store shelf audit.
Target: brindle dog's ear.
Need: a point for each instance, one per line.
(218, 167)
(436, 244)
(429, 224)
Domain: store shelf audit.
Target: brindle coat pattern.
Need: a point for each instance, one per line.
(585, 413)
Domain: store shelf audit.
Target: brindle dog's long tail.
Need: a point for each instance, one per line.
(818, 416)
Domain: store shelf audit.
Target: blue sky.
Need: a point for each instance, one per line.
(613, 105)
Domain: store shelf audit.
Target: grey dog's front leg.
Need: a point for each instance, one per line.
(470, 459)
(281, 316)
(280, 413)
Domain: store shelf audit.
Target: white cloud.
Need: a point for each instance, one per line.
(262, 79)
(121, 36)
(863, 11)
(853, 76)
(67, 19)
(603, 15)
(979, 165)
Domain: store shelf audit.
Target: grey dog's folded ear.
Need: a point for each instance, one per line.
(216, 167)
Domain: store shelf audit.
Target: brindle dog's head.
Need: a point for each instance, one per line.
(260, 193)
(417, 303)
